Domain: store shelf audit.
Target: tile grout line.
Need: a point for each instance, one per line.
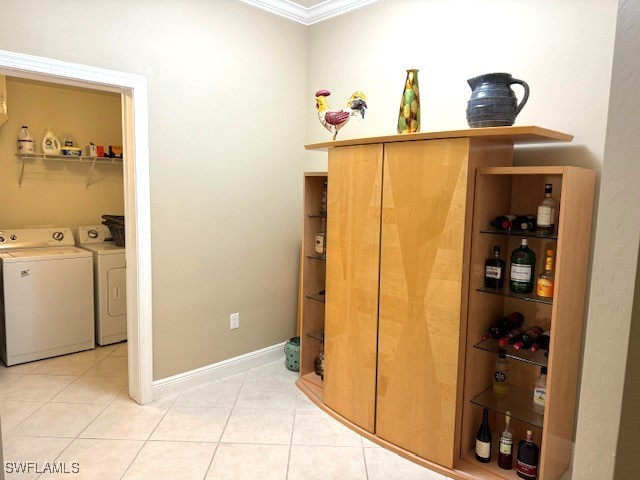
(293, 428)
(244, 379)
(364, 458)
(147, 440)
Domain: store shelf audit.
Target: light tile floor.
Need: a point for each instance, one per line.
(255, 425)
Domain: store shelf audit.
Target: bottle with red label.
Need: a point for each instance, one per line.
(511, 337)
(504, 326)
(528, 457)
(542, 342)
(528, 338)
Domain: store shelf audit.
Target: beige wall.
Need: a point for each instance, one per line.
(227, 86)
(54, 193)
(564, 50)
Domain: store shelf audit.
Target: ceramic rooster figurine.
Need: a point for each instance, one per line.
(334, 120)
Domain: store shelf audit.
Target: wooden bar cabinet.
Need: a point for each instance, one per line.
(405, 308)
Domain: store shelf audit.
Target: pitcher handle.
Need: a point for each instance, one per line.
(526, 93)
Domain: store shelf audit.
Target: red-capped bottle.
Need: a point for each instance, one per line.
(542, 343)
(511, 337)
(504, 326)
(528, 338)
(528, 456)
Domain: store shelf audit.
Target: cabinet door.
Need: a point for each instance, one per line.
(353, 254)
(421, 275)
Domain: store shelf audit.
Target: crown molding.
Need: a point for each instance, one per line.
(308, 16)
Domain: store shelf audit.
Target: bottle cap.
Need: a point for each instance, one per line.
(551, 253)
(548, 188)
(503, 353)
(518, 345)
(24, 126)
(496, 249)
(543, 370)
(524, 242)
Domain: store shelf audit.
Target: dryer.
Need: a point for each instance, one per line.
(109, 273)
(46, 292)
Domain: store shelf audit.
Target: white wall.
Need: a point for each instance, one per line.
(227, 86)
(55, 193)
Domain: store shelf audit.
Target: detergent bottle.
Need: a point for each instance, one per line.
(50, 143)
(26, 143)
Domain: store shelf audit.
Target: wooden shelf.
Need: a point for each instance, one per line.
(477, 468)
(506, 135)
(314, 383)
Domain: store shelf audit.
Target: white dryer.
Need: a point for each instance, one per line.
(109, 273)
(46, 289)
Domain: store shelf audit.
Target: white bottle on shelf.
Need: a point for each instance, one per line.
(50, 143)
(26, 143)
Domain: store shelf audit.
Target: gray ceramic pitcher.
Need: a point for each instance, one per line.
(493, 103)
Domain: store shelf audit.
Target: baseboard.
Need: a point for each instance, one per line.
(184, 381)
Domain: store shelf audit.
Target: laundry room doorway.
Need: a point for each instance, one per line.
(132, 89)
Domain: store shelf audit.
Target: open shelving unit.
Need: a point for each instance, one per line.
(501, 190)
(30, 158)
(312, 284)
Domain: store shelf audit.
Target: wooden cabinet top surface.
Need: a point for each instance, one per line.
(508, 135)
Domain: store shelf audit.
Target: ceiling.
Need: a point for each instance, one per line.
(308, 12)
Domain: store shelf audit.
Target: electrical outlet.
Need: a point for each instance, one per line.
(234, 321)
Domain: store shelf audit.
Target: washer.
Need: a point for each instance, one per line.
(109, 273)
(46, 294)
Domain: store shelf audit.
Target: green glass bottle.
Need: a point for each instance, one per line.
(523, 265)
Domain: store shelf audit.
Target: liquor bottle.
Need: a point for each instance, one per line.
(540, 391)
(545, 284)
(323, 200)
(528, 454)
(504, 326)
(505, 455)
(547, 211)
(528, 338)
(501, 375)
(494, 270)
(483, 439)
(503, 222)
(523, 263)
(542, 342)
(527, 223)
(321, 240)
(511, 337)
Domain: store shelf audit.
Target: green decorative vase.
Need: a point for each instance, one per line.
(409, 116)
(292, 354)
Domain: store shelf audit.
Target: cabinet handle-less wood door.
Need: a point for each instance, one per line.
(353, 255)
(421, 276)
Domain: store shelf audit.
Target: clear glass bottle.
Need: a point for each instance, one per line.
(540, 391)
(501, 375)
(547, 212)
(321, 240)
(505, 453)
(523, 263)
(545, 283)
(323, 200)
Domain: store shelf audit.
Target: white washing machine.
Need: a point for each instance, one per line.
(109, 273)
(46, 293)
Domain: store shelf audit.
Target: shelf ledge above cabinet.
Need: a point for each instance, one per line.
(93, 161)
(507, 135)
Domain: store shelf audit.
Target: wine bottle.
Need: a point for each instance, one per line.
(542, 342)
(527, 223)
(503, 222)
(547, 211)
(494, 270)
(523, 263)
(528, 454)
(483, 439)
(505, 454)
(528, 338)
(501, 375)
(540, 391)
(511, 337)
(504, 326)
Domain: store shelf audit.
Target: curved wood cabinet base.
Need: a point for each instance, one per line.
(470, 472)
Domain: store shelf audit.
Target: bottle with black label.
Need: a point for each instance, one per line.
(494, 270)
(483, 439)
(528, 455)
(523, 264)
(505, 455)
(527, 223)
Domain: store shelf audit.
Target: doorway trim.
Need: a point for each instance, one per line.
(133, 89)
